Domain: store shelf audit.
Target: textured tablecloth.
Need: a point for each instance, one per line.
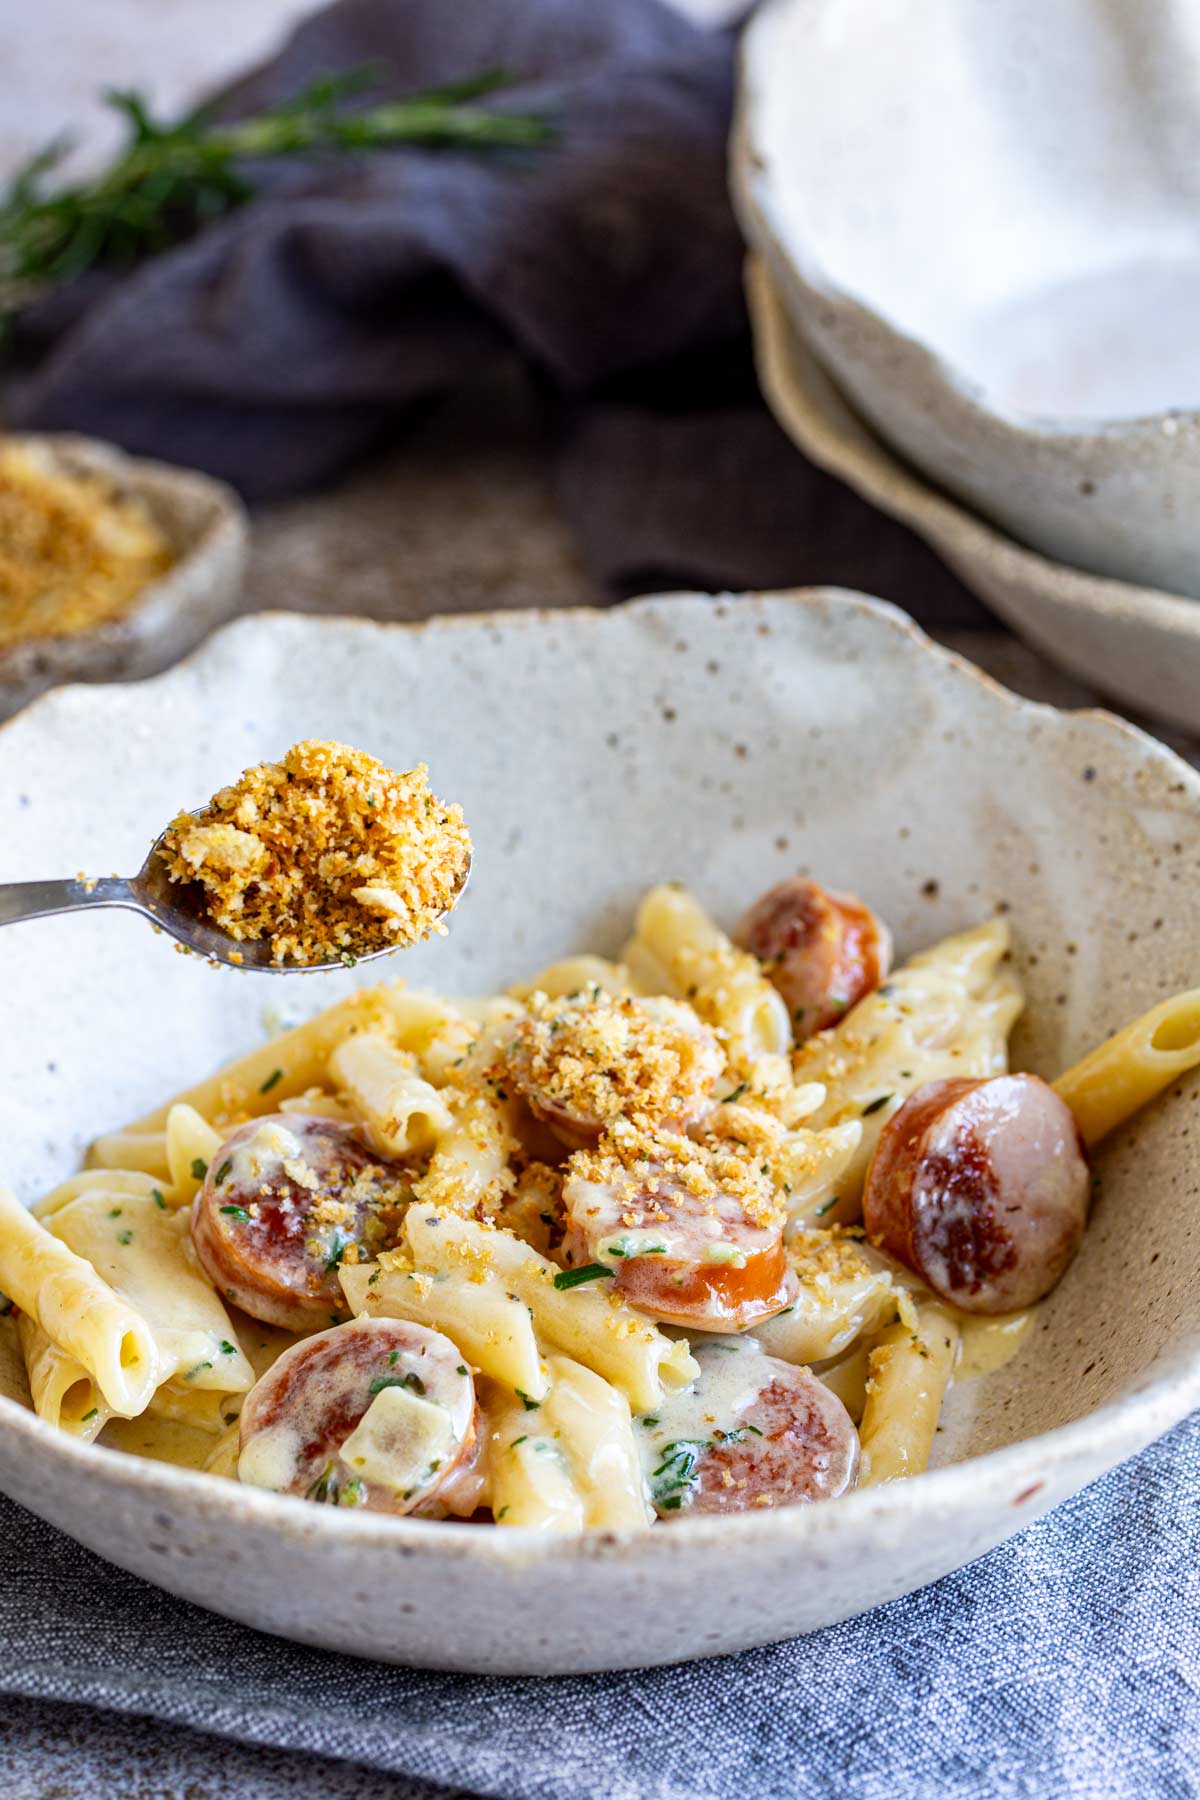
(1063, 1666)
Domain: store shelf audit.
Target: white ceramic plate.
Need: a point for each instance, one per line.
(723, 743)
(1137, 644)
(986, 221)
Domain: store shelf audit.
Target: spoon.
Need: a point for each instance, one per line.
(174, 907)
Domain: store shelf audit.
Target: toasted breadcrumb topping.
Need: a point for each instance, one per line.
(74, 552)
(327, 855)
(649, 1171)
(594, 1058)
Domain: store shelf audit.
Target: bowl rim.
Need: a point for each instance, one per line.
(1096, 1441)
(897, 487)
(754, 201)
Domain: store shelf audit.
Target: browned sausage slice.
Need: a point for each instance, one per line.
(822, 951)
(752, 1432)
(683, 1246)
(981, 1188)
(587, 1060)
(378, 1413)
(284, 1200)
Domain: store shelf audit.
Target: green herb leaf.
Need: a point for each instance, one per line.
(272, 1078)
(225, 1170)
(570, 1278)
(237, 1212)
(199, 1168)
(90, 1414)
(157, 1197)
(402, 1381)
(527, 1403)
(875, 1105)
(678, 1473)
(228, 1349)
(124, 1237)
(739, 1090)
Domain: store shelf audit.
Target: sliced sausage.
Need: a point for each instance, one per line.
(585, 1061)
(981, 1188)
(284, 1200)
(751, 1432)
(822, 951)
(378, 1413)
(690, 1255)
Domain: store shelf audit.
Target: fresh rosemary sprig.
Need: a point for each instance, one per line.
(171, 178)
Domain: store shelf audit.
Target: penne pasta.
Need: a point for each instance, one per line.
(63, 1392)
(530, 1479)
(491, 1327)
(596, 1329)
(1132, 1067)
(592, 1424)
(192, 1145)
(77, 1310)
(725, 985)
(144, 1254)
(402, 1112)
(908, 1373)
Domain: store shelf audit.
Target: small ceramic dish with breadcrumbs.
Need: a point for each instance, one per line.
(744, 1200)
(111, 567)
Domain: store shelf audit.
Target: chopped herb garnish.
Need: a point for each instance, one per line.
(650, 1421)
(402, 1381)
(336, 1254)
(90, 1414)
(272, 1078)
(157, 1197)
(354, 1493)
(373, 1277)
(124, 1237)
(875, 1105)
(678, 1473)
(462, 1369)
(526, 1402)
(196, 1371)
(394, 1357)
(501, 1514)
(225, 1170)
(828, 1207)
(114, 1212)
(569, 1278)
(237, 1212)
(228, 1349)
(739, 1090)
(521, 1440)
(199, 1168)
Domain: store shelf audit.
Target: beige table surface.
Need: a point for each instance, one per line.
(460, 518)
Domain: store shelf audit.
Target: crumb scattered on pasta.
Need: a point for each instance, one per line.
(595, 1059)
(74, 552)
(326, 855)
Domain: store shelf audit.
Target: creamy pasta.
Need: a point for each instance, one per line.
(710, 1228)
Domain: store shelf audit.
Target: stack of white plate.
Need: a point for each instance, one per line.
(975, 289)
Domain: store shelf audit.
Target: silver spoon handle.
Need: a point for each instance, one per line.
(40, 899)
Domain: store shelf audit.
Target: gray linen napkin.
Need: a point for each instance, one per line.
(1064, 1666)
(302, 332)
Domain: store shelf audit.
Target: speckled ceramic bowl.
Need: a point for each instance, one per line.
(986, 221)
(205, 524)
(1137, 644)
(723, 743)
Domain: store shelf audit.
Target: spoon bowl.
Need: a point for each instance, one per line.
(176, 908)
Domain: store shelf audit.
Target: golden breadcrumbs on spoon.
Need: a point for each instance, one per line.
(326, 855)
(74, 552)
